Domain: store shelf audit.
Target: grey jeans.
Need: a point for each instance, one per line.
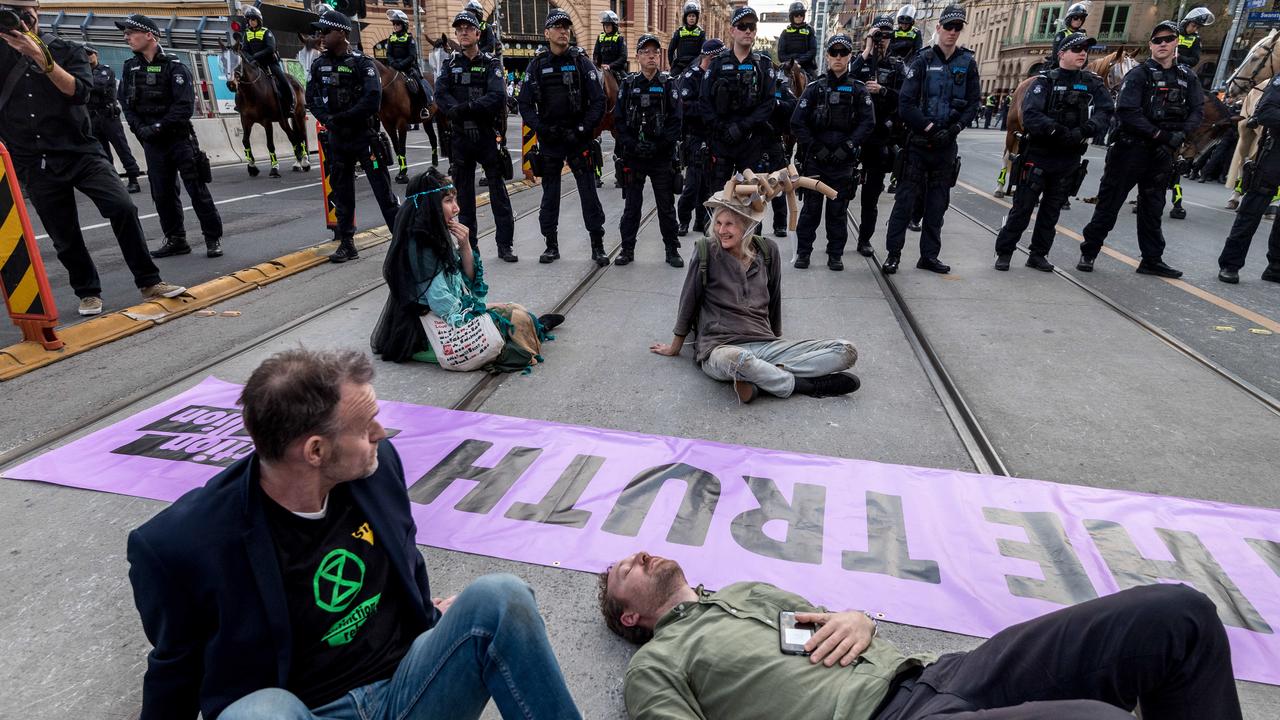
(774, 365)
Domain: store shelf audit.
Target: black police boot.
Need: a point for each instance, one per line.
(890, 265)
(828, 385)
(505, 254)
(683, 229)
(172, 246)
(780, 232)
(914, 226)
(346, 251)
(835, 263)
(1039, 262)
(1157, 268)
(674, 259)
(552, 253)
(933, 265)
(133, 187)
(1085, 264)
(802, 262)
(625, 257)
(1177, 213)
(597, 252)
(1272, 273)
(213, 247)
(1002, 261)
(864, 247)
(1229, 276)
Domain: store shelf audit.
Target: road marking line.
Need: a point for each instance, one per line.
(1223, 303)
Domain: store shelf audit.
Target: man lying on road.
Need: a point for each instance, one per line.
(718, 655)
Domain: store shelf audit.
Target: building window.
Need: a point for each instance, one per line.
(1114, 20)
(1047, 22)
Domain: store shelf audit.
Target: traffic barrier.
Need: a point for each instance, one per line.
(326, 188)
(528, 139)
(22, 279)
(215, 142)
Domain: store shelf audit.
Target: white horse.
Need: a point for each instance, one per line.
(1258, 67)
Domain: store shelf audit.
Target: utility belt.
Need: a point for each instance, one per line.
(111, 110)
(1259, 172)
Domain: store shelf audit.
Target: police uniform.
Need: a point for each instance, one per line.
(686, 44)
(695, 154)
(611, 52)
(799, 43)
(1260, 185)
(832, 120)
(1157, 109)
(343, 94)
(158, 100)
(471, 93)
(1189, 49)
(647, 120)
(905, 43)
(104, 113)
(738, 100)
(942, 94)
(880, 149)
(402, 55)
(260, 45)
(1056, 117)
(561, 100)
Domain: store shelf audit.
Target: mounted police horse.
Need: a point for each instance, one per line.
(258, 104)
(398, 110)
(609, 85)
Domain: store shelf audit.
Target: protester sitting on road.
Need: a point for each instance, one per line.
(732, 299)
(716, 655)
(432, 265)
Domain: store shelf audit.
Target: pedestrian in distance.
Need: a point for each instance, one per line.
(737, 100)
(732, 301)
(344, 93)
(469, 91)
(695, 151)
(104, 114)
(1160, 104)
(647, 118)
(1058, 122)
(1260, 183)
(562, 102)
(798, 42)
(940, 96)
(157, 94)
(881, 74)
(45, 82)
(832, 120)
(686, 41)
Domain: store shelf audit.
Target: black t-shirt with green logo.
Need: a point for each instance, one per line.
(346, 607)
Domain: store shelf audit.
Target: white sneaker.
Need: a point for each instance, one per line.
(90, 306)
(162, 290)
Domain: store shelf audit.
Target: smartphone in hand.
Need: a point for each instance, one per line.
(793, 635)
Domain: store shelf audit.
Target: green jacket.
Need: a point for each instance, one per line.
(719, 658)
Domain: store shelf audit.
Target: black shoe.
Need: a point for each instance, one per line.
(213, 248)
(683, 229)
(835, 263)
(1085, 264)
(933, 265)
(828, 385)
(864, 248)
(133, 187)
(599, 257)
(1158, 268)
(172, 246)
(1066, 205)
(551, 254)
(801, 263)
(1177, 213)
(1272, 274)
(624, 258)
(1039, 262)
(1229, 276)
(550, 321)
(890, 265)
(505, 255)
(1002, 261)
(779, 232)
(913, 226)
(674, 259)
(346, 251)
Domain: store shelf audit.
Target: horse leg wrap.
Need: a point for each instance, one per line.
(1001, 176)
(403, 164)
(274, 162)
(248, 156)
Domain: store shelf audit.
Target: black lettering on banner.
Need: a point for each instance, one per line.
(803, 517)
(1065, 581)
(557, 506)
(702, 492)
(492, 483)
(1191, 564)
(887, 552)
(1268, 550)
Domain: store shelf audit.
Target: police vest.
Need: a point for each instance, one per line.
(737, 86)
(795, 40)
(689, 42)
(468, 79)
(255, 40)
(835, 108)
(1069, 97)
(610, 47)
(341, 83)
(400, 46)
(903, 42)
(649, 104)
(561, 94)
(1166, 101)
(100, 93)
(1186, 41)
(153, 87)
(946, 85)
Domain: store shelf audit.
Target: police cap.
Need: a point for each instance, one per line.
(840, 39)
(952, 13)
(138, 21)
(556, 16)
(743, 13)
(1168, 25)
(712, 46)
(465, 17)
(1077, 40)
(332, 20)
(646, 39)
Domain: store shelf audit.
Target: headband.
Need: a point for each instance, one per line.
(414, 197)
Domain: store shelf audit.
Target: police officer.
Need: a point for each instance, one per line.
(260, 46)
(104, 113)
(488, 43)
(1189, 36)
(1055, 114)
(611, 47)
(737, 101)
(906, 40)
(470, 92)
(647, 117)
(686, 41)
(1072, 23)
(1160, 103)
(1262, 178)
(798, 41)
(344, 93)
(775, 155)
(881, 75)
(158, 100)
(939, 98)
(561, 100)
(831, 121)
(402, 53)
(694, 151)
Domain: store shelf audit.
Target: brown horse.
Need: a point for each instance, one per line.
(399, 108)
(796, 80)
(258, 105)
(609, 84)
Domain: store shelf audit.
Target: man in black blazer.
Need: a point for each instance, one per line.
(290, 586)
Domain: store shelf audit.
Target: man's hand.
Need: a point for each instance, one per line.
(443, 604)
(874, 87)
(30, 46)
(841, 637)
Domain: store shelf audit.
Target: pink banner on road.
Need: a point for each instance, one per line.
(936, 548)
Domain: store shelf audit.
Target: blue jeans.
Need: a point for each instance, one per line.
(774, 365)
(491, 643)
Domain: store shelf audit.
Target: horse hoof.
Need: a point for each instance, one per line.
(402, 178)
(306, 168)
(253, 171)
(998, 193)
(275, 173)
(1233, 204)
(297, 168)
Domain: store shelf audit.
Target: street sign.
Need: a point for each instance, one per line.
(1259, 18)
(1251, 4)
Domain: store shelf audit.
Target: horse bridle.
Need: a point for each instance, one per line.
(1271, 59)
(246, 63)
